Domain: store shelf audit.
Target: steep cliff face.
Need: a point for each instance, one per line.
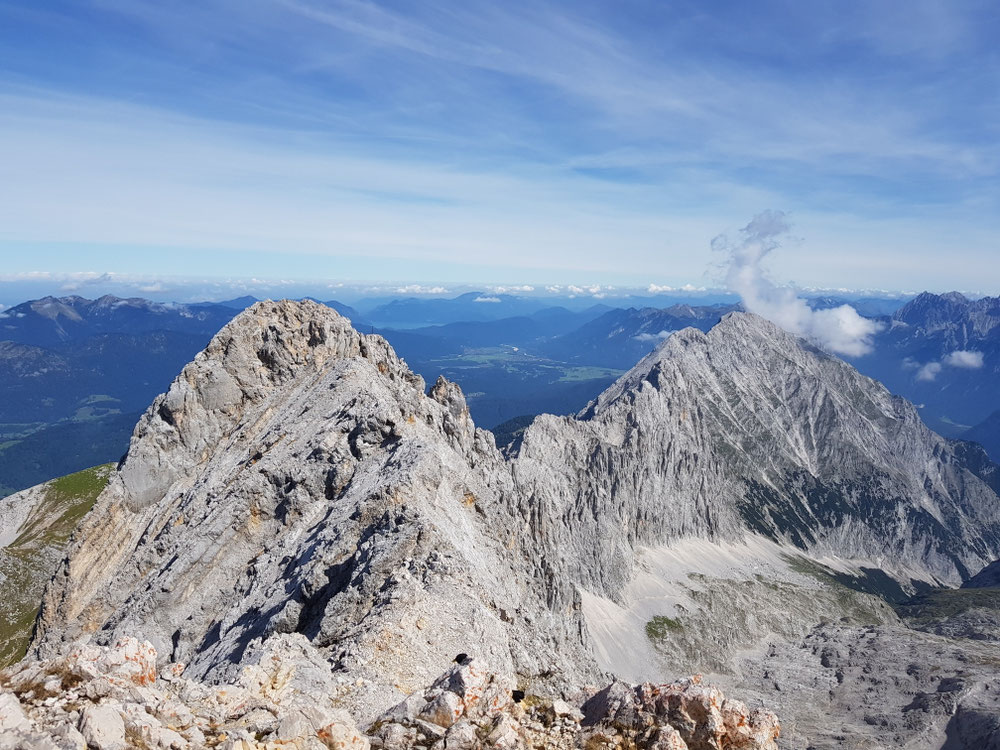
(296, 478)
(958, 320)
(747, 429)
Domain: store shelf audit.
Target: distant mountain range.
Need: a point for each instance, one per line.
(620, 338)
(942, 352)
(74, 373)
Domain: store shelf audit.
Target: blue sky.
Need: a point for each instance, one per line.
(575, 142)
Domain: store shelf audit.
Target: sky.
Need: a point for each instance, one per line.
(517, 142)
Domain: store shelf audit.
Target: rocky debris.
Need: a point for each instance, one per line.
(112, 699)
(469, 708)
(697, 715)
(846, 686)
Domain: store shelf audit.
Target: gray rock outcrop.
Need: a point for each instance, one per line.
(297, 479)
(746, 428)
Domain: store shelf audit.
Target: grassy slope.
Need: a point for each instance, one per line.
(29, 561)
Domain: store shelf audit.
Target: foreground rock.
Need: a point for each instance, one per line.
(468, 708)
(113, 699)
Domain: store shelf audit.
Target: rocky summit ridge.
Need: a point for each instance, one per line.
(749, 428)
(297, 484)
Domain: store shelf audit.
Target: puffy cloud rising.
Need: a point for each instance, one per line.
(840, 329)
(929, 371)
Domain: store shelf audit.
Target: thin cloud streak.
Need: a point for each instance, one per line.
(547, 134)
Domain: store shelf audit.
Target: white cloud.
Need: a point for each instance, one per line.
(929, 371)
(487, 299)
(652, 336)
(516, 288)
(595, 290)
(840, 330)
(657, 289)
(420, 289)
(964, 359)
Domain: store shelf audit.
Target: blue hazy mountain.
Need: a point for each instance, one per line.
(620, 338)
(914, 355)
(415, 312)
(76, 373)
(53, 321)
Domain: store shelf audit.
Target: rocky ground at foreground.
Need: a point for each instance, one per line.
(112, 698)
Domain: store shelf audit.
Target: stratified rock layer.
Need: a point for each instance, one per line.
(748, 428)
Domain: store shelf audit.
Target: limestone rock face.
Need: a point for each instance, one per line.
(747, 428)
(295, 478)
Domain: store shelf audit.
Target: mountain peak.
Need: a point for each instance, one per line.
(768, 421)
(956, 298)
(299, 468)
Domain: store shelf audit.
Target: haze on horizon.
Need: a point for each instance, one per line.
(550, 143)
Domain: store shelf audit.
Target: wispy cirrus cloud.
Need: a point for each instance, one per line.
(619, 138)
